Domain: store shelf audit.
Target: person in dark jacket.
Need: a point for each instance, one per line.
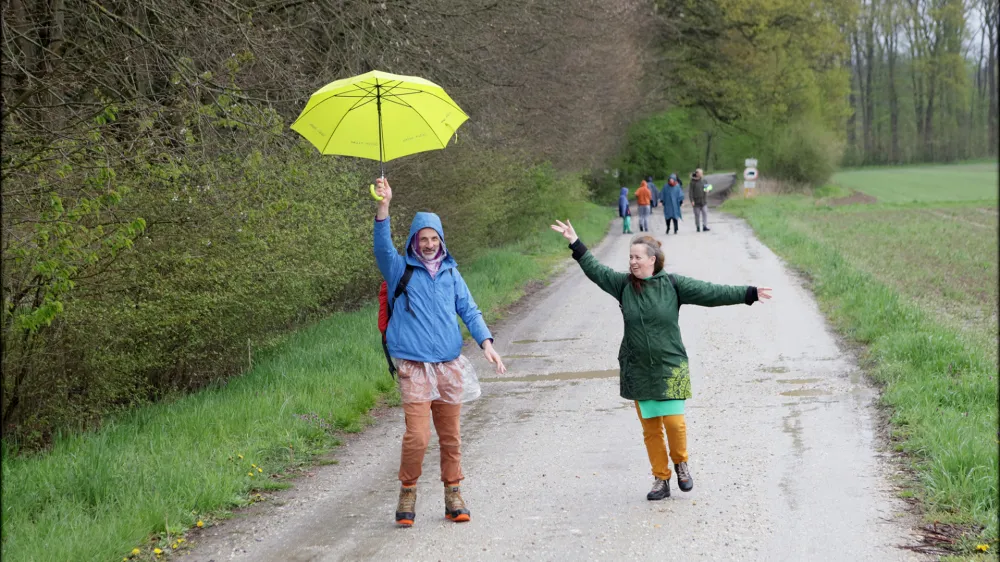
(425, 344)
(653, 363)
(673, 197)
(655, 200)
(698, 201)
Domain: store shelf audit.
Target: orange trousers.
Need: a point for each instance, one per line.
(418, 434)
(656, 448)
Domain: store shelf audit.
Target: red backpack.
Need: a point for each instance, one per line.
(385, 310)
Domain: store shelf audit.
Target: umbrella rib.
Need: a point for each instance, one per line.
(429, 126)
(342, 117)
(429, 93)
(319, 103)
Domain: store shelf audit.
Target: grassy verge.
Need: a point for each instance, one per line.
(917, 290)
(148, 476)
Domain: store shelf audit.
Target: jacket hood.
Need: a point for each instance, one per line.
(624, 192)
(673, 177)
(421, 221)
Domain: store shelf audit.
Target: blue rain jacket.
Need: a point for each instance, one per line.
(672, 197)
(428, 331)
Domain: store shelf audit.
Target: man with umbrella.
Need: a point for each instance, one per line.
(425, 342)
(384, 116)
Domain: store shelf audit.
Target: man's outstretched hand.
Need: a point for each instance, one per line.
(493, 357)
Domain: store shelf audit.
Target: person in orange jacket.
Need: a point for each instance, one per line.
(643, 196)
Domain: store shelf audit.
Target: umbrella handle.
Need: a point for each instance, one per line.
(371, 189)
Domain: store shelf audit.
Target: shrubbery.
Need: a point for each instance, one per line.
(804, 153)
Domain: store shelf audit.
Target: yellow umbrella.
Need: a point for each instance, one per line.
(379, 116)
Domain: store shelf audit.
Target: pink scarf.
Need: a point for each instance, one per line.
(433, 264)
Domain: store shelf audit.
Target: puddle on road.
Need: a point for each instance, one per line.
(556, 377)
(798, 381)
(774, 369)
(806, 392)
(521, 342)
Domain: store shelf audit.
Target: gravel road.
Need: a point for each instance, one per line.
(782, 436)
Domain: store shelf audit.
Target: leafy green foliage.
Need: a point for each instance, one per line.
(804, 154)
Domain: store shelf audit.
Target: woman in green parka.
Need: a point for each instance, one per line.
(652, 360)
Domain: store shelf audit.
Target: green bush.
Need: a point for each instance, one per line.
(805, 153)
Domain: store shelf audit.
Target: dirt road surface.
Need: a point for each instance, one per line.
(782, 437)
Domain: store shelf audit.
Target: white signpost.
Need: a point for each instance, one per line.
(750, 176)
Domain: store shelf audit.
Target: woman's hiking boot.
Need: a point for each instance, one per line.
(661, 489)
(684, 480)
(454, 506)
(406, 509)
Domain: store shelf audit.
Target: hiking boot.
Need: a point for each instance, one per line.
(684, 480)
(454, 506)
(705, 229)
(699, 229)
(661, 489)
(406, 509)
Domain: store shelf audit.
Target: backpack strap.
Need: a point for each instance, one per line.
(401, 288)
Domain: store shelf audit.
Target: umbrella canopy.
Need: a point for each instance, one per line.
(379, 116)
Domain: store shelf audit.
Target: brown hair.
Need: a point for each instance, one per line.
(653, 248)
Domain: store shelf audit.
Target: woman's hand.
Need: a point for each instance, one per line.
(566, 230)
(383, 190)
(493, 357)
(763, 293)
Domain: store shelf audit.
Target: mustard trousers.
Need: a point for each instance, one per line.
(656, 447)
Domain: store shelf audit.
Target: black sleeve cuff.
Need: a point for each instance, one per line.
(579, 249)
(751, 296)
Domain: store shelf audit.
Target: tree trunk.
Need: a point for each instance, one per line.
(869, 99)
(708, 150)
(894, 156)
(860, 77)
(991, 12)
(928, 133)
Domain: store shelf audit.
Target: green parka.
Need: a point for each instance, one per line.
(652, 359)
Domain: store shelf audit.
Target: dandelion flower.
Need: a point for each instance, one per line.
(253, 466)
(982, 547)
(260, 470)
(174, 546)
(200, 524)
(135, 552)
(157, 551)
(240, 457)
(250, 474)
(180, 541)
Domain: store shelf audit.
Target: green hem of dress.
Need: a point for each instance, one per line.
(657, 408)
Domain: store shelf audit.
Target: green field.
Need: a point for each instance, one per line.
(964, 182)
(916, 284)
(147, 477)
